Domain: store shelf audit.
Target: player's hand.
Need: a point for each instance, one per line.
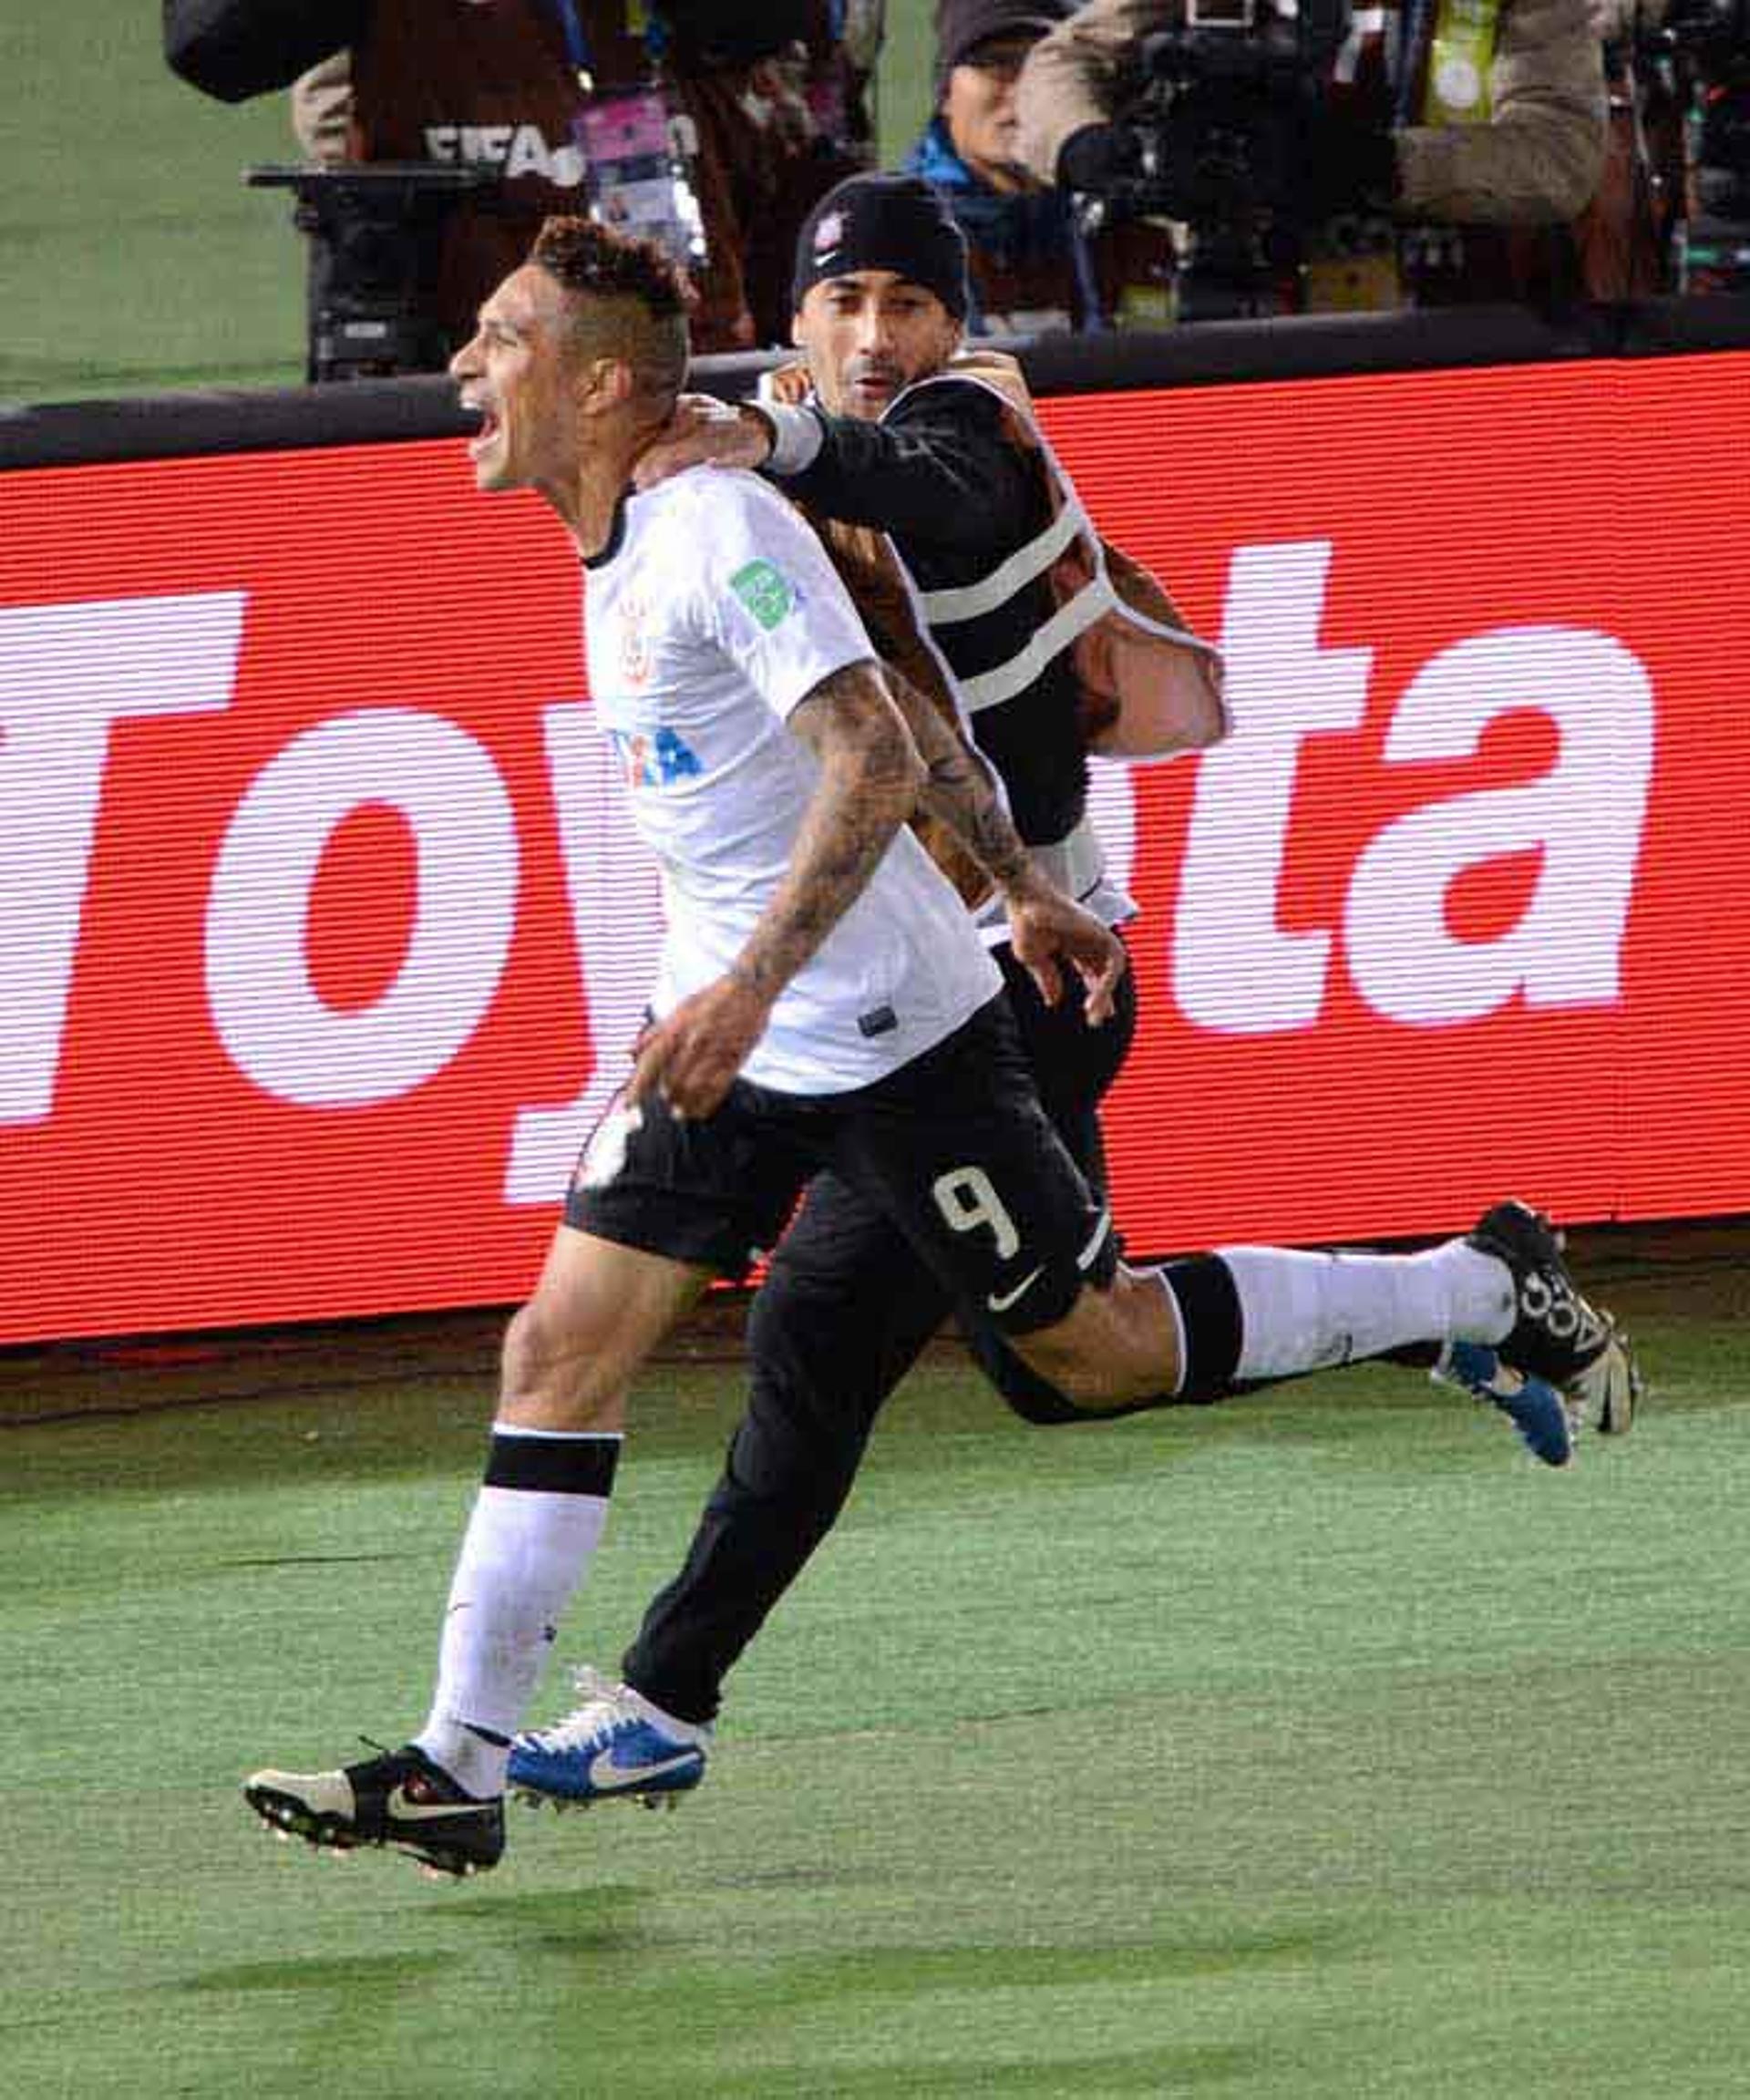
(704, 432)
(789, 384)
(690, 1057)
(1047, 930)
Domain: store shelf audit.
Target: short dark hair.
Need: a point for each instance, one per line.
(637, 282)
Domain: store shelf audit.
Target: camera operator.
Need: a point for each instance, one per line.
(321, 110)
(1031, 268)
(1474, 128)
(546, 95)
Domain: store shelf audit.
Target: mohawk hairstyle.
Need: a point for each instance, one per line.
(586, 257)
(628, 300)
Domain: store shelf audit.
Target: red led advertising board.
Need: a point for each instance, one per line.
(322, 934)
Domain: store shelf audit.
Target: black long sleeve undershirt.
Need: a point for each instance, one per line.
(944, 478)
(940, 475)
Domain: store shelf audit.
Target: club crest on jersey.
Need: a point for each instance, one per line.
(655, 761)
(767, 592)
(634, 643)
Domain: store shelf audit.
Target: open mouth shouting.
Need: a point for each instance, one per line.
(487, 436)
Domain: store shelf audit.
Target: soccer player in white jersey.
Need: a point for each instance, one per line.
(823, 1002)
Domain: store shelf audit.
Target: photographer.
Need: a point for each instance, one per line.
(1031, 269)
(1480, 123)
(544, 97)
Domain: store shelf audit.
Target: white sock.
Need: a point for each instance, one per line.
(1310, 1312)
(670, 1723)
(525, 1550)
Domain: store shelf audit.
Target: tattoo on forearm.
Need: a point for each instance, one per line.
(960, 786)
(868, 787)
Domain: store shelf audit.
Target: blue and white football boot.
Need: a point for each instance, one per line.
(1558, 1336)
(1544, 1419)
(613, 1746)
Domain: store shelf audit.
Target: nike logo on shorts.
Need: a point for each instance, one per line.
(1000, 1301)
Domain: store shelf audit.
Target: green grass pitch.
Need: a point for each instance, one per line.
(1316, 1745)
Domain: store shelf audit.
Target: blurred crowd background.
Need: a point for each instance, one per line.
(1118, 165)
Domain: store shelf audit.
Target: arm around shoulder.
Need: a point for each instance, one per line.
(938, 468)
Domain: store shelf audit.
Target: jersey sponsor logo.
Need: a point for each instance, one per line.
(767, 592)
(656, 761)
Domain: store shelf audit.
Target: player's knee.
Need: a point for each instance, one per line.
(547, 1375)
(1034, 1399)
(1076, 1379)
(1117, 1348)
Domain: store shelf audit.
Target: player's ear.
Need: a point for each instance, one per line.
(604, 383)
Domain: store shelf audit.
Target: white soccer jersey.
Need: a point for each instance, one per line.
(712, 613)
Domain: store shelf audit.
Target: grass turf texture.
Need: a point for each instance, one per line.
(1320, 1745)
(134, 258)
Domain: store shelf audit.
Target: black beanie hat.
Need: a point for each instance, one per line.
(884, 223)
(962, 25)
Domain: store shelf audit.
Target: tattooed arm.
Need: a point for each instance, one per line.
(961, 788)
(961, 791)
(870, 775)
(871, 778)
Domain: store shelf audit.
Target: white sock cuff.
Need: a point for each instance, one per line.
(1176, 1312)
(670, 1723)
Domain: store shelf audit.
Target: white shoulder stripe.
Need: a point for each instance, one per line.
(1074, 618)
(970, 601)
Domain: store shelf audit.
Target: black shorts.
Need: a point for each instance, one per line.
(954, 1147)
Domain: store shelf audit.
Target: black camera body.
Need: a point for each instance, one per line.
(1219, 132)
(1222, 121)
(376, 231)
